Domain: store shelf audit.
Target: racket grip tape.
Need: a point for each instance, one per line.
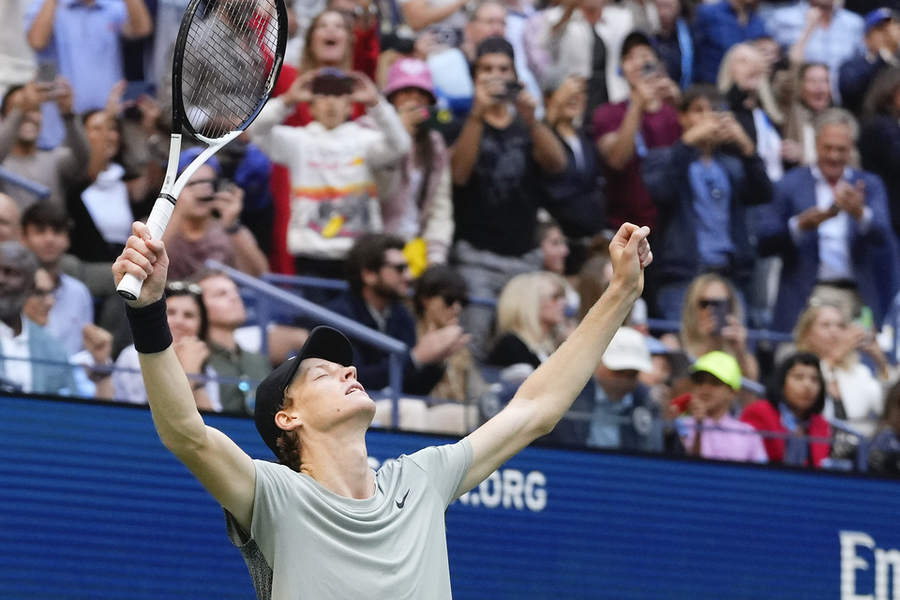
(130, 286)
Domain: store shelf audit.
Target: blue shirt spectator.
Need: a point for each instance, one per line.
(833, 38)
(717, 28)
(82, 38)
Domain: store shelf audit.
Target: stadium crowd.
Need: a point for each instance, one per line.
(459, 165)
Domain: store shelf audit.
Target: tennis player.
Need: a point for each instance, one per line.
(321, 524)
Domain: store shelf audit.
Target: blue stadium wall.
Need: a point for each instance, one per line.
(92, 507)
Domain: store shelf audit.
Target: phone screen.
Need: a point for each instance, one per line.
(46, 72)
(720, 311)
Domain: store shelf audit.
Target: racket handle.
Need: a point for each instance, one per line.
(130, 286)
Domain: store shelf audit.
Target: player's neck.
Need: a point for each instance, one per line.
(339, 463)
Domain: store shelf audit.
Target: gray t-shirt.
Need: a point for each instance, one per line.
(309, 543)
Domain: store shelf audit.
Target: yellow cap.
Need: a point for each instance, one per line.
(721, 365)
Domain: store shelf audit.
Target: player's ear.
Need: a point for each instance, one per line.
(287, 421)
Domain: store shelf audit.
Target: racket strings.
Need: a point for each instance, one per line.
(227, 64)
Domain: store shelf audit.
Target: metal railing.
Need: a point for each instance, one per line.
(23, 182)
(396, 349)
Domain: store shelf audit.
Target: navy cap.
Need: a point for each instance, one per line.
(877, 17)
(187, 157)
(323, 342)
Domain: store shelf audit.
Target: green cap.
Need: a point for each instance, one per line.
(721, 365)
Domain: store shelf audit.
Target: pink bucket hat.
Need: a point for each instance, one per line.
(409, 73)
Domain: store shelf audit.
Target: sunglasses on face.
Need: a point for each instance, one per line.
(709, 302)
(401, 268)
(451, 299)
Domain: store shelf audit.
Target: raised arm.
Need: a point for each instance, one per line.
(217, 462)
(139, 23)
(40, 32)
(549, 392)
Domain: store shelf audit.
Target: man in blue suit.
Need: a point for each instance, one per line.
(831, 226)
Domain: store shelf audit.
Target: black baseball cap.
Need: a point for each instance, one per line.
(323, 342)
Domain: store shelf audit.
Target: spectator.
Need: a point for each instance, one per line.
(882, 45)
(674, 42)
(440, 295)
(10, 219)
(82, 38)
(742, 78)
(615, 410)
(23, 341)
(713, 319)
(854, 394)
(818, 31)
(884, 452)
(225, 312)
(584, 39)
(879, 141)
(812, 99)
(334, 202)
(328, 44)
(555, 248)
(573, 197)
(245, 164)
(536, 55)
(830, 224)
(495, 165)
(446, 18)
(530, 321)
(363, 18)
(422, 207)
(91, 382)
(793, 413)
(45, 231)
(186, 315)
(378, 275)
(702, 187)
(102, 201)
(452, 68)
(626, 131)
(19, 132)
(717, 27)
(716, 379)
(206, 224)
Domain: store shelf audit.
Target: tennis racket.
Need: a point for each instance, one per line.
(228, 55)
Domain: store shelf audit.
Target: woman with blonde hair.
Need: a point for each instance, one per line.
(743, 80)
(855, 394)
(712, 319)
(530, 313)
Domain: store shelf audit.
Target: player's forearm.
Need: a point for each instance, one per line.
(558, 381)
(172, 404)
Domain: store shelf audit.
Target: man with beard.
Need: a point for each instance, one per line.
(21, 340)
(379, 277)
